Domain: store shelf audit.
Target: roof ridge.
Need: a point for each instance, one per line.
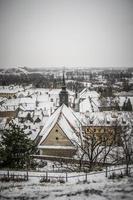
(70, 124)
(60, 113)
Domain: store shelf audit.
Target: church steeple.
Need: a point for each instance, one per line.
(63, 82)
(63, 95)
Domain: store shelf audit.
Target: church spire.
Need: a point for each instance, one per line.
(63, 82)
(63, 95)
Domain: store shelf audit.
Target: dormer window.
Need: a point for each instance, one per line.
(94, 130)
(123, 121)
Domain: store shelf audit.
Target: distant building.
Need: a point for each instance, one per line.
(87, 101)
(9, 91)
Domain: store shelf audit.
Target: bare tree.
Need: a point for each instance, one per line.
(126, 136)
(97, 148)
(103, 148)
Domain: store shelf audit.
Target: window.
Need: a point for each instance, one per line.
(87, 130)
(57, 138)
(56, 130)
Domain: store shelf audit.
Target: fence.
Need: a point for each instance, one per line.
(66, 176)
(12, 176)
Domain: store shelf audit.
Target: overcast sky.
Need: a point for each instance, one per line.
(93, 33)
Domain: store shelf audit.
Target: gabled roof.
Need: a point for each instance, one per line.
(88, 93)
(67, 121)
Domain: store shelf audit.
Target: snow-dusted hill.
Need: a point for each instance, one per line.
(14, 70)
(98, 187)
(25, 71)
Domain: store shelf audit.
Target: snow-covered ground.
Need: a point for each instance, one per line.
(97, 187)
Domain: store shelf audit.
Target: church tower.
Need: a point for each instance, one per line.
(63, 95)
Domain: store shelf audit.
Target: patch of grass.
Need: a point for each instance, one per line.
(117, 176)
(87, 192)
(92, 191)
(44, 179)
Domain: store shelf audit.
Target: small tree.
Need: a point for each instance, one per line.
(16, 147)
(124, 106)
(117, 107)
(129, 105)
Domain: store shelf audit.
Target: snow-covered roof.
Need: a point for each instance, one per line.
(3, 121)
(28, 127)
(3, 99)
(89, 104)
(11, 102)
(123, 99)
(43, 98)
(26, 107)
(23, 114)
(5, 108)
(27, 100)
(66, 119)
(10, 89)
(125, 94)
(88, 93)
(107, 118)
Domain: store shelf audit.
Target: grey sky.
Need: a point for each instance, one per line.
(93, 33)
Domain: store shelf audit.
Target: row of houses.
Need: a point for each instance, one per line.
(57, 119)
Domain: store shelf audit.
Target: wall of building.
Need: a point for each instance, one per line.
(59, 152)
(8, 114)
(57, 138)
(111, 133)
(7, 95)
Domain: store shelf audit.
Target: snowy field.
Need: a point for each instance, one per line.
(97, 187)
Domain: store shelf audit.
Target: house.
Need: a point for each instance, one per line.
(86, 92)
(10, 91)
(60, 134)
(8, 111)
(106, 124)
(89, 105)
(87, 100)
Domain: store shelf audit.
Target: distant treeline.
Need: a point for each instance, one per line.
(38, 80)
(48, 79)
